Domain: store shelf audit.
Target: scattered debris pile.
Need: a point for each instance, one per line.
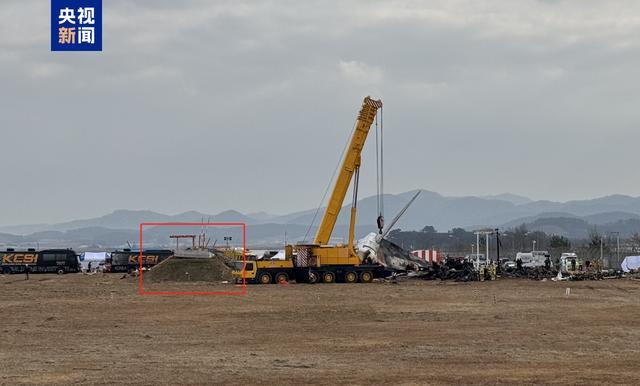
(190, 270)
(533, 273)
(450, 270)
(541, 273)
(458, 270)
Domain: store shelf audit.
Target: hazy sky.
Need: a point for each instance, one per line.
(211, 105)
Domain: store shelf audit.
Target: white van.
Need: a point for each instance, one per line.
(477, 259)
(533, 259)
(570, 263)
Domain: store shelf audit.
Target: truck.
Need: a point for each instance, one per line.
(274, 271)
(58, 261)
(320, 262)
(263, 271)
(128, 260)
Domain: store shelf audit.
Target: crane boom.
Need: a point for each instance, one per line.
(350, 164)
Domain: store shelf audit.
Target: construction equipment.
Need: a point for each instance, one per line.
(263, 271)
(319, 261)
(322, 262)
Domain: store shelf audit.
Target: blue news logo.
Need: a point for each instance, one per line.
(76, 25)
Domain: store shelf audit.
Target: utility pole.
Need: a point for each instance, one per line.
(497, 246)
(617, 247)
(486, 241)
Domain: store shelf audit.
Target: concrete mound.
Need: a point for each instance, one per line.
(188, 270)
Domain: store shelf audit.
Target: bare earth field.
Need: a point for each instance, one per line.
(80, 329)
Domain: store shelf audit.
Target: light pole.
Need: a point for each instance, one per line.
(497, 246)
(486, 240)
(477, 258)
(601, 247)
(617, 247)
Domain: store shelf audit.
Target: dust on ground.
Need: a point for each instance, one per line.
(80, 329)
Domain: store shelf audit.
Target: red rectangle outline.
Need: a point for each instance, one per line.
(244, 258)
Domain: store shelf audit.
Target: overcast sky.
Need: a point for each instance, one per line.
(212, 105)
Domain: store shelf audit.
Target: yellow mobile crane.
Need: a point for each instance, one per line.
(328, 263)
(320, 262)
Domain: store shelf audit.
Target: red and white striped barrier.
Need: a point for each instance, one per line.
(429, 255)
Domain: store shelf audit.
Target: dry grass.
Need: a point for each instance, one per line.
(97, 330)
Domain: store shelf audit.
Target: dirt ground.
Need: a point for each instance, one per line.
(79, 329)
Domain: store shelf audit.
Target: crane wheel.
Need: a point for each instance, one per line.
(281, 278)
(328, 277)
(265, 278)
(313, 277)
(350, 277)
(366, 277)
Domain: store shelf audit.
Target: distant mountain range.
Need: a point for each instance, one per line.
(573, 219)
(512, 198)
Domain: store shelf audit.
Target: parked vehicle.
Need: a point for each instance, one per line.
(533, 259)
(508, 264)
(571, 264)
(263, 271)
(128, 260)
(59, 261)
(477, 259)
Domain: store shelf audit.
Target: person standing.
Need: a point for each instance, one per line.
(27, 270)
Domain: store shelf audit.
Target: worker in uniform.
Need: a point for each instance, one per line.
(27, 270)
